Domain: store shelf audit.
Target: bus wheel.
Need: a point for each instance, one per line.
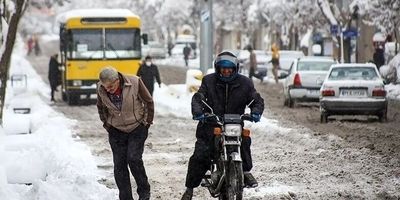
(73, 99)
(64, 96)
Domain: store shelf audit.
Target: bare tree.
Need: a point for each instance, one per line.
(11, 12)
(385, 15)
(337, 17)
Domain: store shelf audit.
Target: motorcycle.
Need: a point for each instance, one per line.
(225, 178)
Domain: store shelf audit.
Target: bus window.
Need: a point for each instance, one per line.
(122, 43)
(87, 44)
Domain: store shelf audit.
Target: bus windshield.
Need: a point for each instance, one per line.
(122, 43)
(107, 44)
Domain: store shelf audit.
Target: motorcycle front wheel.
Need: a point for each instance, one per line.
(233, 187)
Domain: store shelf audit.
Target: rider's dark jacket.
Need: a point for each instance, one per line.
(227, 98)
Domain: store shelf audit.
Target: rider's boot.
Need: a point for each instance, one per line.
(188, 194)
(249, 180)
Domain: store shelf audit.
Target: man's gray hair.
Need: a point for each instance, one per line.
(108, 74)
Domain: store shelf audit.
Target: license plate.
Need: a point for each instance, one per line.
(313, 92)
(353, 93)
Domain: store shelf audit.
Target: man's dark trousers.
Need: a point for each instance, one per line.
(200, 161)
(127, 149)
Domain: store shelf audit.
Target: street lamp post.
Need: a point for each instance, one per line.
(206, 36)
(341, 45)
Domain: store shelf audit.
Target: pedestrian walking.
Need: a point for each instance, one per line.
(148, 71)
(54, 75)
(186, 53)
(379, 56)
(275, 61)
(36, 45)
(126, 109)
(30, 44)
(253, 65)
(170, 46)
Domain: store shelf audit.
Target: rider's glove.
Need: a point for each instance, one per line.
(255, 117)
(202, 117)
(199, 117)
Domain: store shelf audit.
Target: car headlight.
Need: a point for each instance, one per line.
(77, 82)
(233, 130)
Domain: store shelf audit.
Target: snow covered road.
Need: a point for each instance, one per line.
(291, 160)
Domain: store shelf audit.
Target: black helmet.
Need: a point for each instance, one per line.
(226, 59)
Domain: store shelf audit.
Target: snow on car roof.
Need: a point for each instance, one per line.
(317, 58)
(353, 65)
(63, 17)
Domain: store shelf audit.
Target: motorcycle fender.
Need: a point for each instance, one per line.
(235, 156)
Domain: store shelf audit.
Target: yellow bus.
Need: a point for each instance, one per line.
(92, 39)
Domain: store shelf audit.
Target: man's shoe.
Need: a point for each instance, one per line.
(249, 180)
(145, 197)
(187, 195)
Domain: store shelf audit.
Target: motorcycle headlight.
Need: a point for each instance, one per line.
(233, 130)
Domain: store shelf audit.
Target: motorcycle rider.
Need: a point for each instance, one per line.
(227, 92)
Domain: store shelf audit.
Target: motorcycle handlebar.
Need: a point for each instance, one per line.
(214, 117)
(246, 117)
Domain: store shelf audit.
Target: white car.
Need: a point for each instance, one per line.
(305, 78)
(353, 89)
(262, 61)
(177, 51)
(154, 49)
(286, 58)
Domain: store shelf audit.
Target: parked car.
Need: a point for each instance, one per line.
(286, 58)
(262, 62)
(305, 78)
(155, 50)
(177, 51)
(291, 54)
(353, 89)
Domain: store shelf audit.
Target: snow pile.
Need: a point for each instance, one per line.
(393, 91)
(49, 163)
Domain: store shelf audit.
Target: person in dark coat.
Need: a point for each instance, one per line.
(227, 92)
(36, 46)
(186, 53)
(148, 72)
(253, 65)
(30, 45)
(54, 74)
(379, 57)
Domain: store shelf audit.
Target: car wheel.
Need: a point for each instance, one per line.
(290, 102)
(383, 116)
(324, 117)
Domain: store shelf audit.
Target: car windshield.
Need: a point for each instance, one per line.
(353, 73)
(314, 66)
